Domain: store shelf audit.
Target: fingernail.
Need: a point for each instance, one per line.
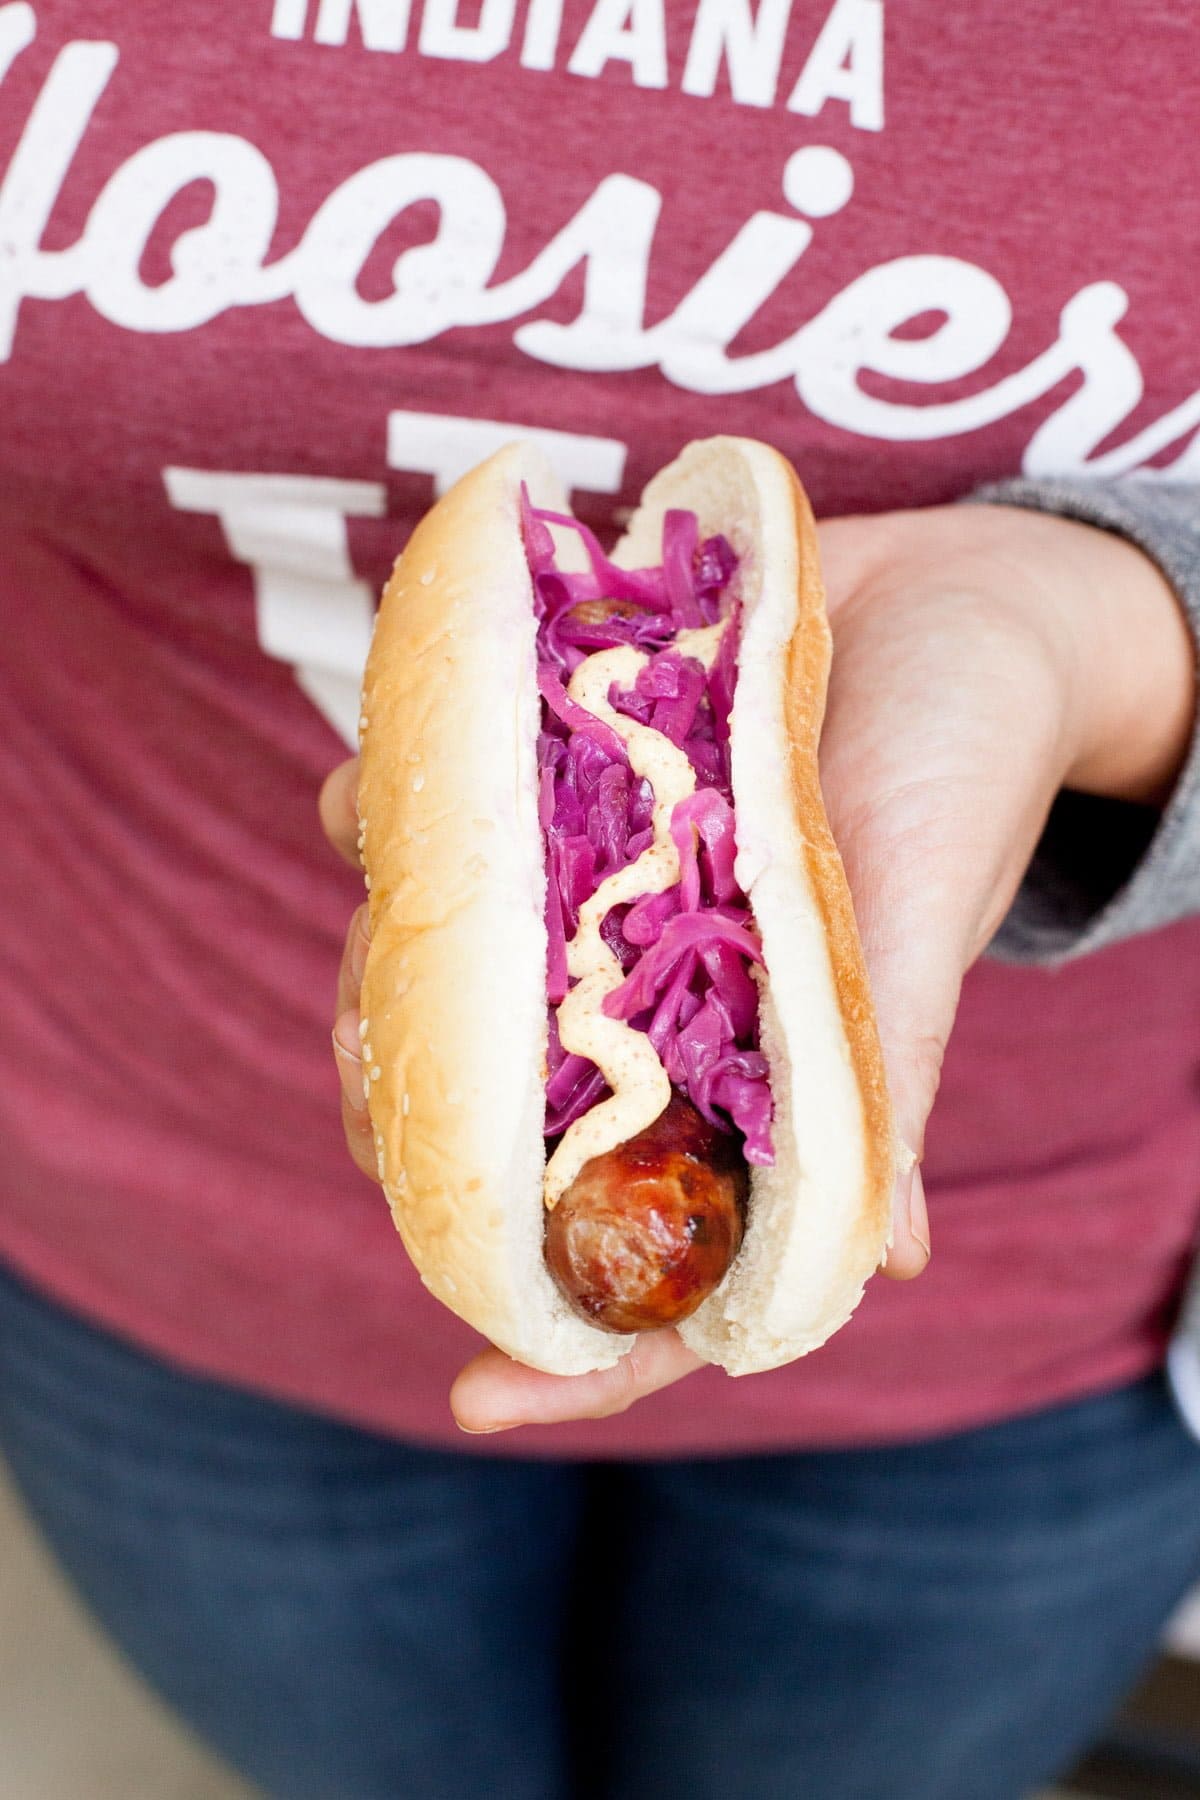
(480, 1430)
(350, 1071)
(918, 1212)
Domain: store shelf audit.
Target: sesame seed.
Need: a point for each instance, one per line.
(366, 1048)
(418, 782)
(376, 1072)
(428, 576)
(405, 1104)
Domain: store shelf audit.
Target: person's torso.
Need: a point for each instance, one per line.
(269, 278)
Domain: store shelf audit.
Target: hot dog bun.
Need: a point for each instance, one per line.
(454, 997)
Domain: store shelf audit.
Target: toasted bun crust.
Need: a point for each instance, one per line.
(454, 989)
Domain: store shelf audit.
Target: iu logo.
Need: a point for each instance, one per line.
(290, 530)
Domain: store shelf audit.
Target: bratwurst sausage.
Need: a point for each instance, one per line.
(645, 1232)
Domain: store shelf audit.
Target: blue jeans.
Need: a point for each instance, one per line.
(347, 1617)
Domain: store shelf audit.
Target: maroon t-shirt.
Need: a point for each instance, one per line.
(269, 276)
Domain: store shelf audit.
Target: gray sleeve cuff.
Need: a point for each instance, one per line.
(1105, 870)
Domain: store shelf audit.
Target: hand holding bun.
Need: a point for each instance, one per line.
(984, 658)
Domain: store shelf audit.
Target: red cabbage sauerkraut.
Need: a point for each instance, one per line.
(687, 953)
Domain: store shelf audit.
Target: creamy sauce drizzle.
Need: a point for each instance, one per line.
(628, 1060)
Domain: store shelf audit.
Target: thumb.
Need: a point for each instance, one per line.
(915, 944)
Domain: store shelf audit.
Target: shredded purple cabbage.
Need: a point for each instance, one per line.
(687, 953)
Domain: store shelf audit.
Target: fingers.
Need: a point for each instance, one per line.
(354, 961)
(339, 819)
(356, 1121)
(338, 807)
(916, 965)
(347, 1047)
(493, 1393)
